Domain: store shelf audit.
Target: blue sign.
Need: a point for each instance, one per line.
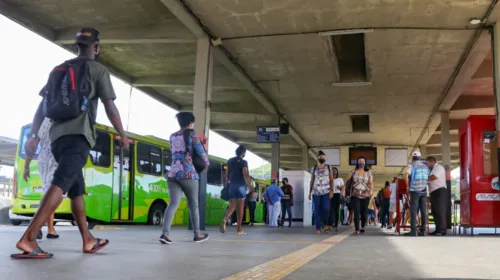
(268, 134)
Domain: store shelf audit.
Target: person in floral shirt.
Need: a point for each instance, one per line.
(182, 177)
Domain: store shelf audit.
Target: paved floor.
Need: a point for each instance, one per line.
(284, 253)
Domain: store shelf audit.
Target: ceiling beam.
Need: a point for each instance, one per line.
(235, 127)
(283, 151)
(436, 139)
(284, 142)
(485, 70)
(454, 158)
(469, 102)
(476, 51)
(182, 12)
(181, 81)
(431, 151)
(27, 21)
(169, 32)
(454, 125)
(231, 108)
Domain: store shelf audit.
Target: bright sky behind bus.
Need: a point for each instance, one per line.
(26, 62)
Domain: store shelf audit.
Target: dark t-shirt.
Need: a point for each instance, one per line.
(235, 166)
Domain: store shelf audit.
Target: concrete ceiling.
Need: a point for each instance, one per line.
(419, 60)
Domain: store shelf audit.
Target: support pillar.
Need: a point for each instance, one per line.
(275, 154)
(446, 159)
(423, 151)
(496, 79)
(305, 158)
(201, 109)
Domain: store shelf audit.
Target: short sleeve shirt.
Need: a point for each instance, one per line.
(85, 124)
(321, 180)
(339, 182)
(235, 166)
(360, 186)
(440, 182)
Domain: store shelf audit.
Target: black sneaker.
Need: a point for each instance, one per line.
(165, 240)
(39, 236)
(199, 239)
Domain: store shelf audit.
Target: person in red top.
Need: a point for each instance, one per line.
(286, 202)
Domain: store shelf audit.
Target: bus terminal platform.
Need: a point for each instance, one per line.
(265, 253)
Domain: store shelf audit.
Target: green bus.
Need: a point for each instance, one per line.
(121, 186)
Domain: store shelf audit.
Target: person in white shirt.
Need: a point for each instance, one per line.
(392, 207)
(338, 188)
(439, 195)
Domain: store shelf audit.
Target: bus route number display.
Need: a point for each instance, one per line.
(268, 134)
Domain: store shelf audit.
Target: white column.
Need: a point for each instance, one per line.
(445, 138)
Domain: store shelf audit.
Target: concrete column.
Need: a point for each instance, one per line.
(275, 154)
(446, 158)
(305, 158)
(201, 109)
(445, 138)
(496, 79)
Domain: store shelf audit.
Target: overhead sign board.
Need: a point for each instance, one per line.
(268, 134)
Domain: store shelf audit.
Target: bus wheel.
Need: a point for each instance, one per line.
(16, 222)
(155, 216)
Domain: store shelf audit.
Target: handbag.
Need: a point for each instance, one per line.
(197, 161)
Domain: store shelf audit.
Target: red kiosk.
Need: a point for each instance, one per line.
(479, 195)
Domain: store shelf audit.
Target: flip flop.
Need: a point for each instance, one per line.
(98, 246)
(242, 233)
(38, 253)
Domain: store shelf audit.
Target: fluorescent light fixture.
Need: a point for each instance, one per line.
(475, 21)
(344, 32)
(354, 84)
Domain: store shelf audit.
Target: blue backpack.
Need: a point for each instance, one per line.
(419, 177)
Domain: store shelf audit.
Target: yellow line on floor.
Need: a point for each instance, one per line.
(98, 227)
(283, 266)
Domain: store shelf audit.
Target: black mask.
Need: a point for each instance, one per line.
(321, 160)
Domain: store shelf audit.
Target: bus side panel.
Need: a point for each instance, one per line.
(216, 207)
(98, 174)
(147, 189)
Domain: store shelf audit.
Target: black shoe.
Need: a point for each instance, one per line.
(362, 231)
(290, 225)
(165, 240)
(39, 236)
(422, 233)
(389, 227)
(52, 236)
(199, 239)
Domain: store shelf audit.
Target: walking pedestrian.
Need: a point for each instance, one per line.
(182, 178)
(321, 191)
(362, 189)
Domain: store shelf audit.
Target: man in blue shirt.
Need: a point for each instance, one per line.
(273, 195)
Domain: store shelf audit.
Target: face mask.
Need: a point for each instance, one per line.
(334, 173)
(361, 165)
(321, 160)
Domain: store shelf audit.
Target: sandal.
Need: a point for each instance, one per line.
(222, 227)
(318, 232)
(241, 232)
(97, 246)
(38, 253)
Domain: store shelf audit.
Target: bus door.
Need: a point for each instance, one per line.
(122, 205)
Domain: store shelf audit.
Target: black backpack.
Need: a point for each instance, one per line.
(66, 94)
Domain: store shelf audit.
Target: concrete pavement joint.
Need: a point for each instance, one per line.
(283, 266)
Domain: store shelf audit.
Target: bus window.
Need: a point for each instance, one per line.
(214, 173)
(149, 159)
(24, 138)
(167, 160)
(100, 154)
(155, 157)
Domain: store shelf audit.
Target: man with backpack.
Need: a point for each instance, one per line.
(416, 176)
(70, 100)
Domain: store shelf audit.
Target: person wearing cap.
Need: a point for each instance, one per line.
(71, 142)
(321, 191)
(416, 178)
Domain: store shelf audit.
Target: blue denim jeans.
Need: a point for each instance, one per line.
(321, 209)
